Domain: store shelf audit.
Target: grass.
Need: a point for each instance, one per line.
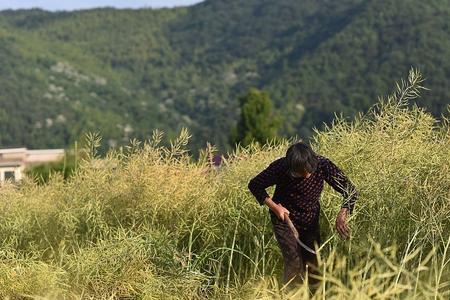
(149, 222)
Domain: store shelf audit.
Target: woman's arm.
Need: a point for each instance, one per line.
(267, 177)
(340, 183)
(278, 209)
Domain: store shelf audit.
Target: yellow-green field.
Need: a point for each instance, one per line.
(150, 223)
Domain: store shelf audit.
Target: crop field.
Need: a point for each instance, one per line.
(150, 222)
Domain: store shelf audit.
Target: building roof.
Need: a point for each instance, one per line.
(15, 157)
(45, 151)
(12, 150)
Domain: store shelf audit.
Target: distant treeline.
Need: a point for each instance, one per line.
(126, 72)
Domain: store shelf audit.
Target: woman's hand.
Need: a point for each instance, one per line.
(278, 209)
(341, 224)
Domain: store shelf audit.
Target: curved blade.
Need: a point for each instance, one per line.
(295, 232)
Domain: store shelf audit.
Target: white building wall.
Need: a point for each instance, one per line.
(16, 170)
(16, 160)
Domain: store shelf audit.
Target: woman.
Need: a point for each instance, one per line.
(299, 178)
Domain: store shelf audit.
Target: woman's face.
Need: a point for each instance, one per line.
(301, 174)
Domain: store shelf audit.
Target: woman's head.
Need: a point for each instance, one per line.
(301, 160)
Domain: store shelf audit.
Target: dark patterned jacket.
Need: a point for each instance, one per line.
(301, 195)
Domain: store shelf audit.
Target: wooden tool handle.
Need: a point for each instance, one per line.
(291, 225)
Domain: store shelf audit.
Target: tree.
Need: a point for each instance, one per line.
(257, 122)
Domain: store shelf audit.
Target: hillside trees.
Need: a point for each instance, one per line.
(258, 122)
(186, 67)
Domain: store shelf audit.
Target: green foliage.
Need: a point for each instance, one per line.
(42, 172)
(150, 222)
(257, 122)
(127, 72)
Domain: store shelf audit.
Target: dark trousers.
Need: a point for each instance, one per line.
(297, 260)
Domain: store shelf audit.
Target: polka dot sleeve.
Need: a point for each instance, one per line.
(263, 180)
(340, 183)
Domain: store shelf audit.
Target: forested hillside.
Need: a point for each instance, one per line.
(127, 72)
(153, 223)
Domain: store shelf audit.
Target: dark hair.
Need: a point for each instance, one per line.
(300, 158)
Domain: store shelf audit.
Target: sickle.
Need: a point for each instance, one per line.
(295, 232)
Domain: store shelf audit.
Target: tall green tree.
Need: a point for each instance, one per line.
(258, 122)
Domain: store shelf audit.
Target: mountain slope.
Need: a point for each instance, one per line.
(126, 72)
